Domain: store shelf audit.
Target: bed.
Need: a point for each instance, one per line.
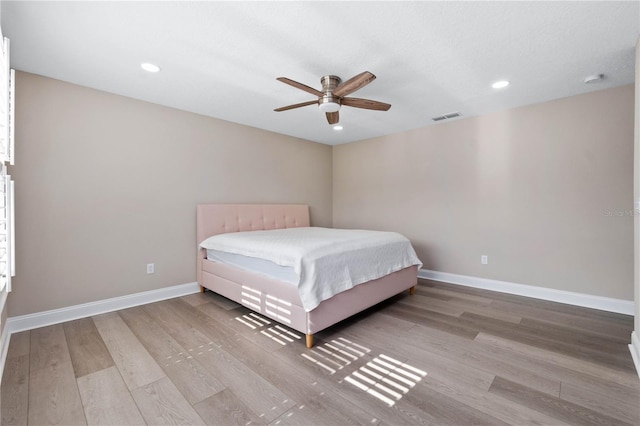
(273, 297)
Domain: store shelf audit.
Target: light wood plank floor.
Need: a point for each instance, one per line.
(449, 355)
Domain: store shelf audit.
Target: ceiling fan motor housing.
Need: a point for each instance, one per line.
(328, 102)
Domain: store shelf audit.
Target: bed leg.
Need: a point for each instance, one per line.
(202, 289)
(412, 290)
(309, 340)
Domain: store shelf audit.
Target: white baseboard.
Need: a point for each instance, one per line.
(4, 347)
(578, 299)
(56, 316)
(5, 334)
(634, 347)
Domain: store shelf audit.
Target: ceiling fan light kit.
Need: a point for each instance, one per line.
(333, 95)
(328, 103)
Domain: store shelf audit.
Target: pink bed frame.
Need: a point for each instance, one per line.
(272, 298)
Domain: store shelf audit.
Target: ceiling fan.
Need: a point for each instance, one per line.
(333, 95)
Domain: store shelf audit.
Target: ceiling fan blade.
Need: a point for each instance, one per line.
(288, 107)
(300, 86)
(353, 84)
(333, 117)
(366, 104)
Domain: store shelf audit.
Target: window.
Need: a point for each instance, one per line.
(7, 126)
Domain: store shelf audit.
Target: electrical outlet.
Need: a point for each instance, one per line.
(151, 268)
(484, 259)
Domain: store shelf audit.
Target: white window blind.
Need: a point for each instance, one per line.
(7, 141)
(12, 116)
(6, 244)
(4, 102)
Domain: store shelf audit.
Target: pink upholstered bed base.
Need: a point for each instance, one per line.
(275, 299)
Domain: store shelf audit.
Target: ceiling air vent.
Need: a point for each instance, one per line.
(446, 116)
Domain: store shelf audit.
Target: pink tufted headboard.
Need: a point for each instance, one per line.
(213, 219)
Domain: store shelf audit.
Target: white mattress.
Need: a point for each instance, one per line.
(326, 261)
(258, 266)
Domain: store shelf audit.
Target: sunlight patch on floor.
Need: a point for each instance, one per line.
(336, 354)
(189, 354)
(386, 378)
(277, 333)
(281, 335)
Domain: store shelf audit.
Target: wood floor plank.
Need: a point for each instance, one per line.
(460, 350)
(161, 403)
(627, 411)
(458, 380)
(297, 384)
(372, 333)
(565, 364)
(196, 299)
(472, 304)
(465, 353)
(542, 307)
(599, 327)
(377, 410)
(587, 349)
(432, 320)
(462, 381)
(19, 344)
(221, 301)
(53, 391)
(311, 413)
(451, 295)
(380, 321)
(303, 387)
(606, 344)
(442, 370)
(472, 323)
(88, 351)
(565, 411)
(587, 376)
(264, 399)
(106, 399)
(619, 326)
(48, 347)
(268, 401)
(190, 377)
(14, 391)
(447, 410)
(251, 325)
(493, 405)
(135, 364)
(224, 408)
(432, 305)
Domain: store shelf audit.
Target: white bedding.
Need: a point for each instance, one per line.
(327, 261)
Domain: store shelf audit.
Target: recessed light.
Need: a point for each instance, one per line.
(500, 84)
(594, 78)
(149, 67)
(337, 127)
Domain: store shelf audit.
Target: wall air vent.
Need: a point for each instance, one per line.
(446, 116)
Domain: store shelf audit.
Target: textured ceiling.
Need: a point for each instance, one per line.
(221, 59)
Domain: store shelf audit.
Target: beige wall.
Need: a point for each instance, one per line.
(106, 184)
(529, 187)
(636, 193)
